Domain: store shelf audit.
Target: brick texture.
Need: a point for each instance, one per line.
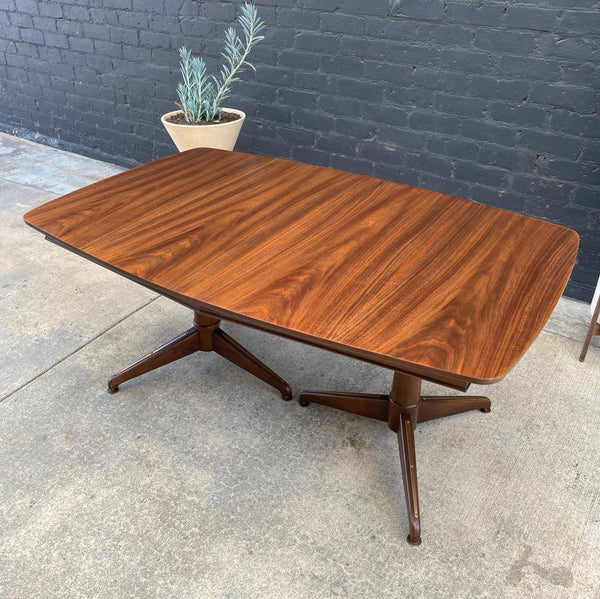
(492, 101)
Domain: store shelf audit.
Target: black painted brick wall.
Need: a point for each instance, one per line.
(492, 101)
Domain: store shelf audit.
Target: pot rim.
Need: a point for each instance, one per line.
(234, 110)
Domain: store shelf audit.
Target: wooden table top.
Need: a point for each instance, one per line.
(403, 277)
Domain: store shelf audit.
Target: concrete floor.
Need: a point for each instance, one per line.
(197, 481)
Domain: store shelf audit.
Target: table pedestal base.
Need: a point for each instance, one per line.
(205, 335)
(402, 409)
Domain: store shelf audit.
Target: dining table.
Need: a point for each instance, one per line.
(424, 284)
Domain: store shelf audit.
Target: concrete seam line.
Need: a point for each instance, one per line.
(67, 356)
(44, 189)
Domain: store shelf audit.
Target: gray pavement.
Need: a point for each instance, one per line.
(196, 480)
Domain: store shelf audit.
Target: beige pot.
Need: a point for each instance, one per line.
(221, 135)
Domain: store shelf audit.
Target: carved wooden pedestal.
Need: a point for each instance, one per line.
(206, 336)
(402, 409)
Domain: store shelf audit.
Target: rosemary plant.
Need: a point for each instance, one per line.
(201, 95)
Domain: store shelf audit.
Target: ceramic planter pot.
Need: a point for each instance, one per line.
(221, 136)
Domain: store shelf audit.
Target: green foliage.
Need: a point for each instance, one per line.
(201, 95)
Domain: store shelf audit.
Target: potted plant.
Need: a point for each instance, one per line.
(202, 121)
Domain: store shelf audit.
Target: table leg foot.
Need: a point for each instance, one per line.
(432, 408)
(404, 404)
(181, 346)
(408, 463)
(231, 350)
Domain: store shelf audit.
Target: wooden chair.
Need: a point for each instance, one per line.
(594, 328)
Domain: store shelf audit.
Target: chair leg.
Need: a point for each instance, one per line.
(593, 329)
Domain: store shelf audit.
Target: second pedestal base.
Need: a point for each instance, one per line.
(402, 409)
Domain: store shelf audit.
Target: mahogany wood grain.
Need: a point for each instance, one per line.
(451, 290)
